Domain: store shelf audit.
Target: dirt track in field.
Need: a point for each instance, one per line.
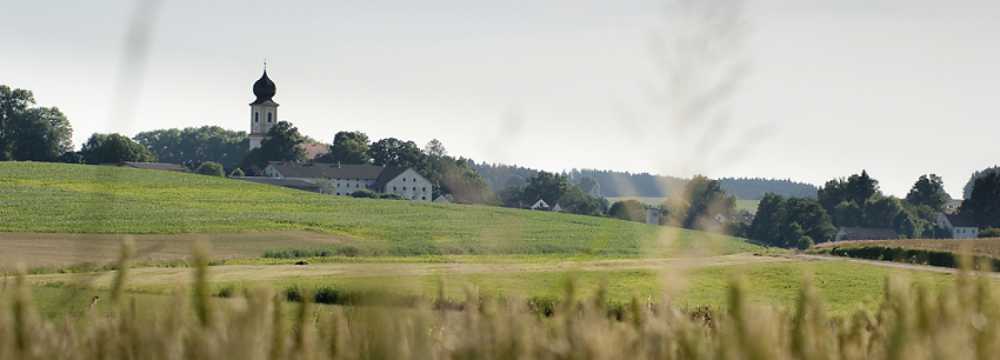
(229, 273)
(65, 249)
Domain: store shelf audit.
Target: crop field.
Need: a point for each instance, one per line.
(60, 198)
(56, 216)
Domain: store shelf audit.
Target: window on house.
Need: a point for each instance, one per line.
(269, 117)
(423, 198)
(425, 189)
(256, 117)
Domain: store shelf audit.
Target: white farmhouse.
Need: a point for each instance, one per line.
(540, 205)
(339, 179)
(960, 227)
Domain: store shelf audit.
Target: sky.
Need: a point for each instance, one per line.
(803, 89)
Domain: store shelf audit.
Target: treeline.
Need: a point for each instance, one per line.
(857, 201)
(625, 184)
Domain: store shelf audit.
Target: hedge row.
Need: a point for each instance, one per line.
(911, 256)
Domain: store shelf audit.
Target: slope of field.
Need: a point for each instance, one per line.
(61, 198)
(843, 285)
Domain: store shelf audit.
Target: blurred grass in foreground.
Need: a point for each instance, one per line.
(910, 322)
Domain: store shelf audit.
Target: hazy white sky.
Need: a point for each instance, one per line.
(898, 87)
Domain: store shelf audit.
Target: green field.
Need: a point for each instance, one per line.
(57, 214)
(59, 198)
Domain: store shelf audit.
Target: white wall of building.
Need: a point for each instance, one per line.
(410, 185)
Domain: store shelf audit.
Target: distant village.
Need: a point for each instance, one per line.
(780, 213)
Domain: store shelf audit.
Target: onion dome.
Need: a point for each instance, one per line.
(264, 89)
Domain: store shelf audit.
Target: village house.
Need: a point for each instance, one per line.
(540, 205)
(339, 179)
(958, 226)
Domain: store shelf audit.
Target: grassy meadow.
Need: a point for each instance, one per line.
(60, 198)
(60, 217)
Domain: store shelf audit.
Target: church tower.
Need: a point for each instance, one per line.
(263, 111)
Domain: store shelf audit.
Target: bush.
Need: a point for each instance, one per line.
(114, 149)
(390, 197)
(912, 256)
(990, 233)
(345, 250)
(211, 168)
(365, 194)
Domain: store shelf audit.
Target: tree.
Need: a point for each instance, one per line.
(547, 186)
(848, 214)
(813, 219)
(575, 201)
(211, 168)
(928, 190)
(861, 187)
(704, 200)
(629, 210)
(29, 133)
(196, 145)
(13, 104)
(766, 225)
(393, 152)
(881, 212)
(349, 147)
(984, 204)
(589, 185)
(435, 148)
(113, 149)
(967, 190)
(790, 223)
(283, 143)
(40, 134)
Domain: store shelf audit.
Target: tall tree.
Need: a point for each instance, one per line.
(928, 190)
(349, 147)
(967, 190)
(13, 103)
(396, 153)
(29, 133)
(881, 212)
(283, 143)
(435, 148)
(984, 203)
(791, 223)
(766, 225)
(196, 145)
(704, 200)
(861, 187)
(546, 186)
(40, 134)
(113, 149)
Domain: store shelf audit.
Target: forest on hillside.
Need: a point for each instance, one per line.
(622, 184)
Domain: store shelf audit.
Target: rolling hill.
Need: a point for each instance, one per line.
(64, 198)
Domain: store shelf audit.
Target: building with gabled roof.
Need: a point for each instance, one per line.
(340, 179)
(959, 226)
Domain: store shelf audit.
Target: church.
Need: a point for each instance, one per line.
(263, 110)
(333, 179)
